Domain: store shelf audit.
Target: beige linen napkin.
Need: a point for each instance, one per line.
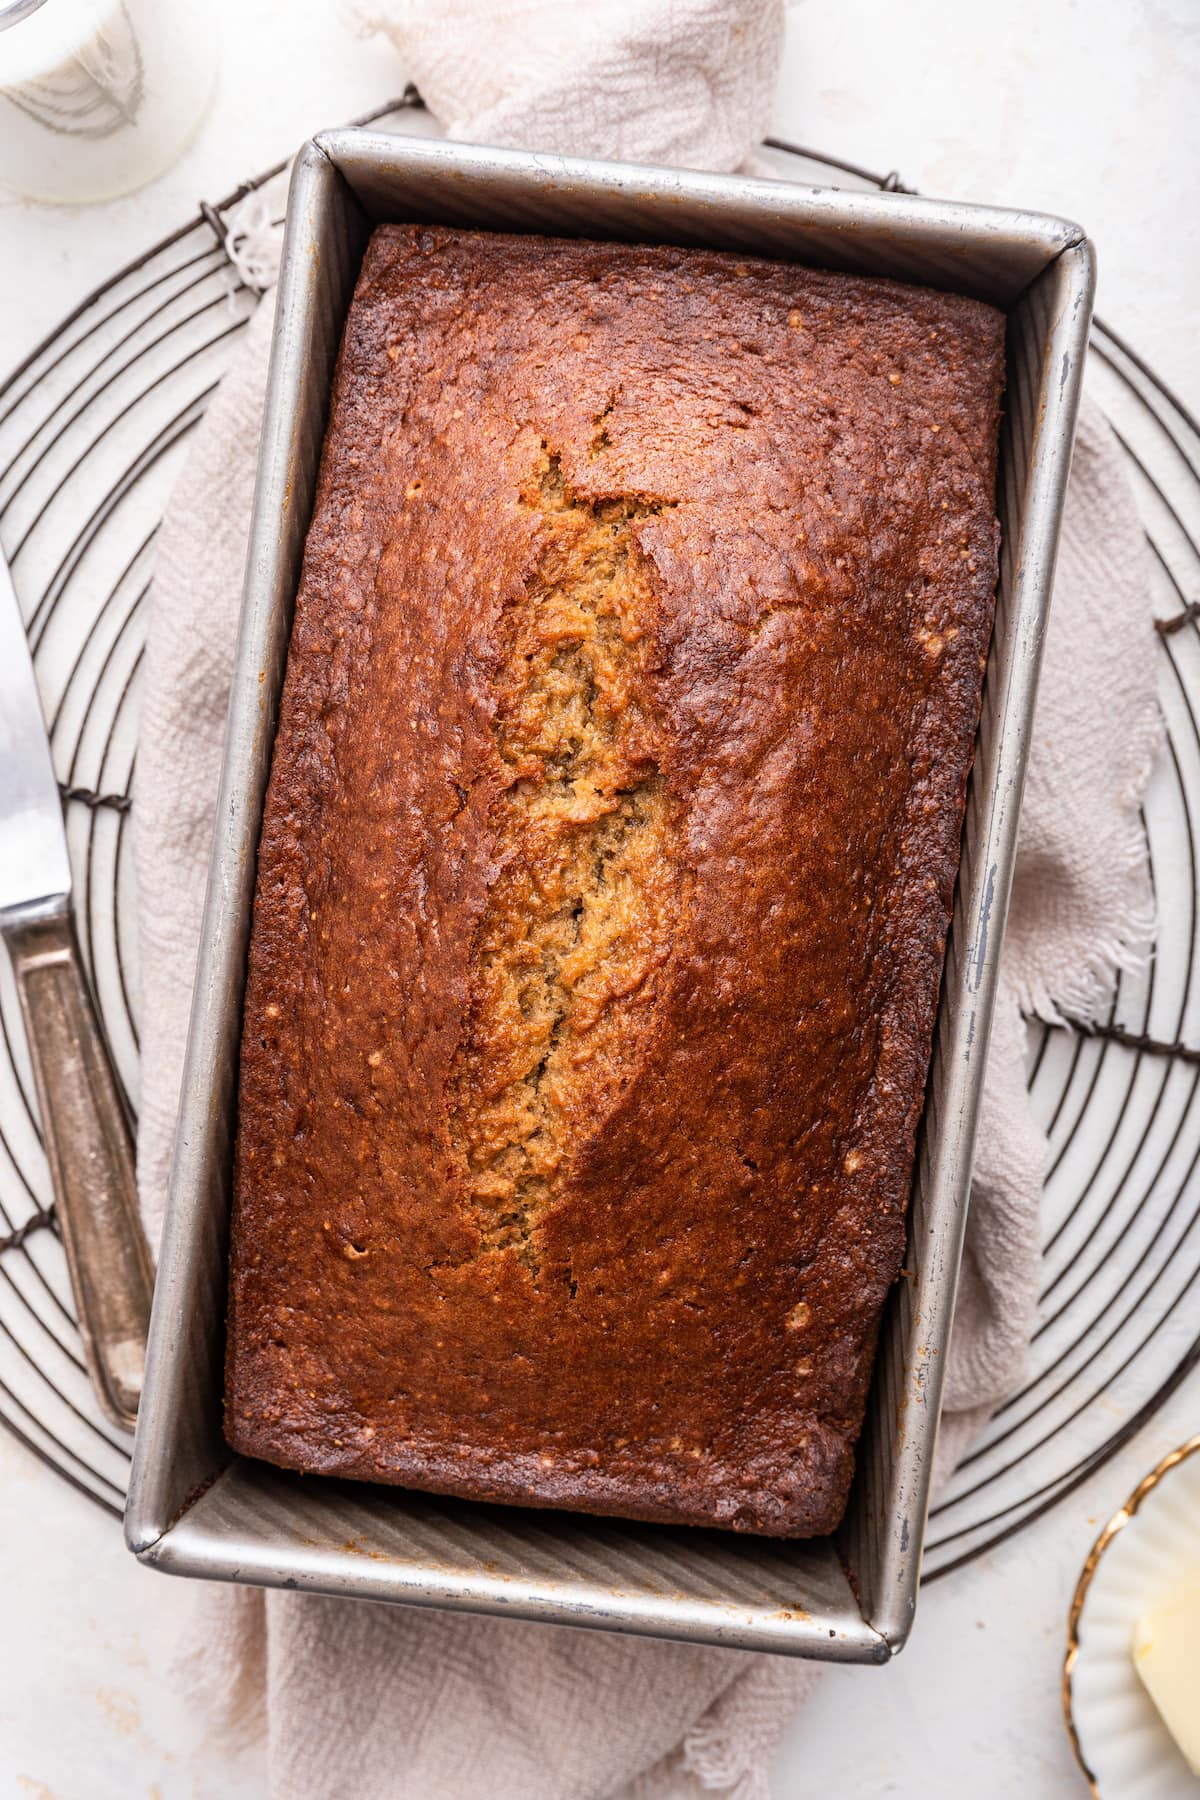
(380, 1703)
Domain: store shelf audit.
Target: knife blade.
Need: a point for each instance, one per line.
(34, 868)
(88, 1141)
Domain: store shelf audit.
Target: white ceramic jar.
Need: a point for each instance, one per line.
(98, 97)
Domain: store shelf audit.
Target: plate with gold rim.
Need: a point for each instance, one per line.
(1144, 1554)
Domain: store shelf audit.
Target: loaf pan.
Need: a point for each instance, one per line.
(194, 1509)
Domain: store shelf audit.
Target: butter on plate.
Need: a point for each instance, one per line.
(1166, 1654)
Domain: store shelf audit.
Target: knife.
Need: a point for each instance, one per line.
(88, 1141)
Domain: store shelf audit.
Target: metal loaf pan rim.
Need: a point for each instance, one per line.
(192, 1509)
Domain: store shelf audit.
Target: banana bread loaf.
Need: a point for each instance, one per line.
(605, 874)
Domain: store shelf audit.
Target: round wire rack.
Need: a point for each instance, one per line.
(93, 425)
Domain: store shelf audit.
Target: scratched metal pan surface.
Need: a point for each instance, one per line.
(196, 1510)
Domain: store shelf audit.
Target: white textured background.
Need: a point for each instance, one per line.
(1085, 107)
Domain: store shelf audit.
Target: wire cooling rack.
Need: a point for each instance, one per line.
(92, 428)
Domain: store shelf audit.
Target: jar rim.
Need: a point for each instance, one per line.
(13, 11)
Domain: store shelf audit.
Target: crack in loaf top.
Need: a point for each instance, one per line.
(605, 873)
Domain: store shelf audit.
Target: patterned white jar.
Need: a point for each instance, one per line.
(98, 97)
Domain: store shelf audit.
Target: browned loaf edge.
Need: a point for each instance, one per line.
(605, 874)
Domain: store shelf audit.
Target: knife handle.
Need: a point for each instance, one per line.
(90, 1151)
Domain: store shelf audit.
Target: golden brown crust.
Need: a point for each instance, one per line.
(605, 872)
